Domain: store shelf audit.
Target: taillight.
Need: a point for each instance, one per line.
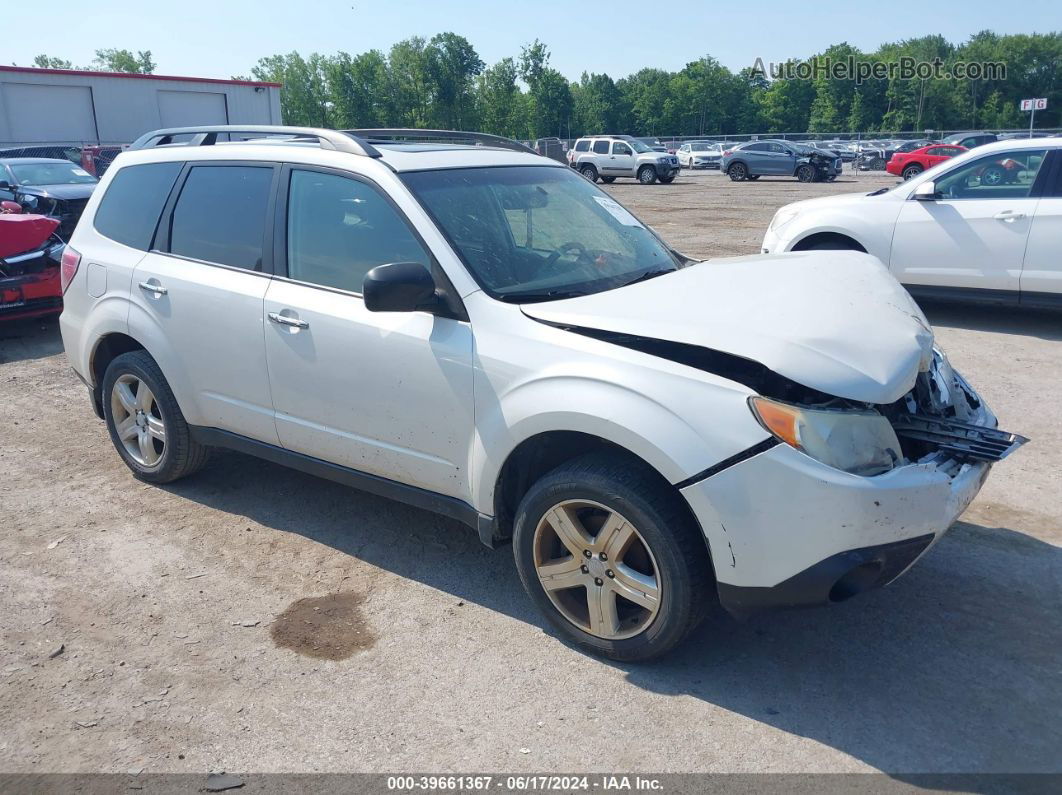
(68, 267)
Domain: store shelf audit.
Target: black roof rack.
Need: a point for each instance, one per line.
(397, 135)
(208, 136)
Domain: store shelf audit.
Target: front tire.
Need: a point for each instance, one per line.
(666, 180)
(610, 555)
(647, 175)
(608, 180)
(805, 173)
(754, 177)
(145, 423)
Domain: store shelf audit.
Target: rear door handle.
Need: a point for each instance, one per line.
(156, 288)
(1008, 215)
(284, 320)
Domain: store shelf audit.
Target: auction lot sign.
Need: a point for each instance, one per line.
(1034, 104)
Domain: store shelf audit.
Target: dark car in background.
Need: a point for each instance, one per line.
(755, 159)
(46, 186)
(970, 140)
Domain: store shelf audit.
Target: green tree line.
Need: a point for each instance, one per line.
(442, 82)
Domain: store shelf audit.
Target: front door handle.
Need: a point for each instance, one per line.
(284, 320)
(156, 288)
(1008, 215)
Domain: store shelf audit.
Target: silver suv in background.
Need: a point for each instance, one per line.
(606, 157)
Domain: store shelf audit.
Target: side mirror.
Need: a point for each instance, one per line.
(926, 192)
(5, 185)
(400, 287)
(10, 207)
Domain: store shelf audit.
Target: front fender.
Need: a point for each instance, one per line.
(875, 238)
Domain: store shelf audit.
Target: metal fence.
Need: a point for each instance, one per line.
(93, 156)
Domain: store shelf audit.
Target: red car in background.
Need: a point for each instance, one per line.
(31, 264)
(908, 164)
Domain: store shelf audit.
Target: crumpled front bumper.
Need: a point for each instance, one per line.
(786, 530)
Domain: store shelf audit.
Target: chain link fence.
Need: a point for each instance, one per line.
(93, 156)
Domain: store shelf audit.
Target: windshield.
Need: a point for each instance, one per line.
(702, 147)
(50, 174)
(638, 146)
(536, 233)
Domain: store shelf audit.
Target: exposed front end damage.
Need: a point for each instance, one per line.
(826, 534)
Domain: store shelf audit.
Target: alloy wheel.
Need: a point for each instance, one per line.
(597, 569)
(138, 420)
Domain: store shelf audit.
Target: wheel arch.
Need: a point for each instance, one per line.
(543, 452)
(816, 238)
(107, 348)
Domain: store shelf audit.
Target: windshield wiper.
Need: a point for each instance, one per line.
(543, 295)
(649, 274)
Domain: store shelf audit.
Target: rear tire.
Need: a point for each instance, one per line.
(912, 171)
(737, 172)
(664, 557)
(145, 423)
(647, 175)
(589, 172)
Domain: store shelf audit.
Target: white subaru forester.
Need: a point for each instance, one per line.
(479, 331)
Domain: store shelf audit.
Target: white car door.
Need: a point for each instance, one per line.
(1041, 274)
(385, 393)
(973, 234)
(196, 300)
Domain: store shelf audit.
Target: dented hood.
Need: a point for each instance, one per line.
(835, 321)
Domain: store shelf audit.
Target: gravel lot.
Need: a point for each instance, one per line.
(186, 643)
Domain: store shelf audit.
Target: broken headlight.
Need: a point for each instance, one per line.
(860, 441)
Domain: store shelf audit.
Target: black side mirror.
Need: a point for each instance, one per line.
(5, 185)
(400, 287)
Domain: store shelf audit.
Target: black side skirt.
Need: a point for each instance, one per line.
(374, 484)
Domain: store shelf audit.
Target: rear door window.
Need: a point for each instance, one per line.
(601, 147)
(129, 210)
(220, 216)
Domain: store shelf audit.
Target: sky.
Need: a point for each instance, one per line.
(618, 37)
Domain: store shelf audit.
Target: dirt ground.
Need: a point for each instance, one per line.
(256, 619)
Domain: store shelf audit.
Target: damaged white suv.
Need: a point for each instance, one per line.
(481, 332)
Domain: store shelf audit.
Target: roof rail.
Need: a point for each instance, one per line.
(208, 136)
(387, 135)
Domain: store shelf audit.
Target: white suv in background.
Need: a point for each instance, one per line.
(480, 332)
(985, 225)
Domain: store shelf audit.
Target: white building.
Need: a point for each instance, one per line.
(78, 107)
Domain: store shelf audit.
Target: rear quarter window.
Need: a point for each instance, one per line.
(130, 209)
(582, 146)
